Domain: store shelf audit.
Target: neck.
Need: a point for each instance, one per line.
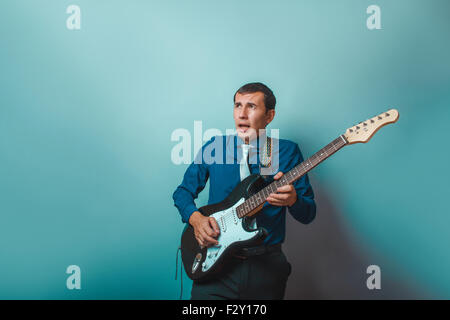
(252, 138)
(253, 204)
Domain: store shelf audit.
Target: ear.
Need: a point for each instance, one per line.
(269, 116)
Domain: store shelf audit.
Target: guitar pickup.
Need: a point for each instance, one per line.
(223, 225)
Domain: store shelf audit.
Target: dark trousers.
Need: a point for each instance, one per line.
(257, 277)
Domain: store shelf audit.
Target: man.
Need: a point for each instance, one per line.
(259, 272)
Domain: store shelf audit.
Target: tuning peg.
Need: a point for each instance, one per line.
(379, 118)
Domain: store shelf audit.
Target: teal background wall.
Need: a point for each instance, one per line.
(86, 117)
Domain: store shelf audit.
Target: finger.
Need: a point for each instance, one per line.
(208, 230)
(207, 239)
(278, 175)
(214, 224)
(279, 196)
(275, 202)
(286, 188)
(200, 241)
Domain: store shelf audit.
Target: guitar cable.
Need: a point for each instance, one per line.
(181, 273)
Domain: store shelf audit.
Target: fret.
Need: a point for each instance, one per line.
(293, 173)
(316, 158)
(262, 196)
(333, 146)
(311, 161)
(335, 149)
(276, 186)
(271, 187)
(277, 183)
(306, 166)
(259, 199)
(322, 152)
(289, 176)
(336, 144)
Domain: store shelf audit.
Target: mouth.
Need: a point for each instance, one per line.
(243, 127)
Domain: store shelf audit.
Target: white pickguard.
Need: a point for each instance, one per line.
(231, 231)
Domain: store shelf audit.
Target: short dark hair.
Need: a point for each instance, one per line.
(269, 98)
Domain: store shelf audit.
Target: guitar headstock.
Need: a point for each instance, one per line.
(363, 131)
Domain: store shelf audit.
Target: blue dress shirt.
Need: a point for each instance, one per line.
(219, 160)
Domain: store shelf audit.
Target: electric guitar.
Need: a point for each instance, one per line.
(233, 214)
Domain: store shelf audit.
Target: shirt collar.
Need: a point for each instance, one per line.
(234, 147)
(255, 144)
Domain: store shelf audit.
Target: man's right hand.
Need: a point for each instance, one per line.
(205, 229)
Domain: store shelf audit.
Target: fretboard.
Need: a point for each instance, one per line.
(289, 177)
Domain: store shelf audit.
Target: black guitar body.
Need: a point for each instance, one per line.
(194, 256)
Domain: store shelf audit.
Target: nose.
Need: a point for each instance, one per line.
(243, 113)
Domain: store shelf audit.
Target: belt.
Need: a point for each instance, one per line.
(244, 253)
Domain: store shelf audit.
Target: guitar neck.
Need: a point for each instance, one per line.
(257, 200)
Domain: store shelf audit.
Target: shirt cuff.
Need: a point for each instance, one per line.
(297, 204)
(188, 211)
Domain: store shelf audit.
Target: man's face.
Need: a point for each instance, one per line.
(250, 114)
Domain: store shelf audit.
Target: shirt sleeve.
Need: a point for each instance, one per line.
(304, 209)
(193, 183)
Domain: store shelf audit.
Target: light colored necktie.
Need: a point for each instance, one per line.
(245, 172)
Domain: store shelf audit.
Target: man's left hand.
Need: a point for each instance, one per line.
(285, 196)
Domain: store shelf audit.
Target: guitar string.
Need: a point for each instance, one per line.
(298, 172)
(229, 216)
